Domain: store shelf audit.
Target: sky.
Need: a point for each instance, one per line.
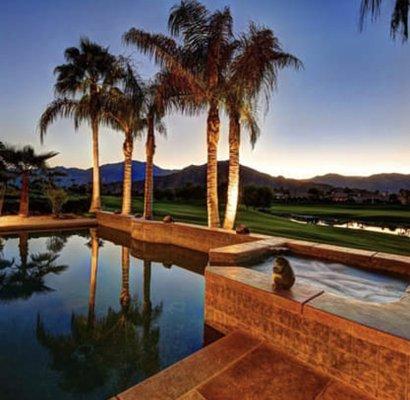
(347, 112)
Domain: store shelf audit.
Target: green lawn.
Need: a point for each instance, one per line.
(279, 226)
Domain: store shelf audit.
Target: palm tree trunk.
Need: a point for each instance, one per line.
(96, 198)
(127, 181)
(125, 286)
(24, 199)
(2, 194)
(233, 176)
(93, 276)
(212, 134)
(149, 169)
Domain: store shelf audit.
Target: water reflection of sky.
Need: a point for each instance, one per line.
(27, 367)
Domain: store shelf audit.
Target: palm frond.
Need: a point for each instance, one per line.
(59, 108)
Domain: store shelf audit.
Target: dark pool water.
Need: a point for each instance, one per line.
(343, 280)
(74, 327)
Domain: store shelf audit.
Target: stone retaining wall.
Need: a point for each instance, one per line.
(193, 237)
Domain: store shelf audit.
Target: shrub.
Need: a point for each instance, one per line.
(57, 197)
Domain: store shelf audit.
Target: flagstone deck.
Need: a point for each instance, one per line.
(240, 366)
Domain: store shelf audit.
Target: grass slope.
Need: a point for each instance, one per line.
(277, 226)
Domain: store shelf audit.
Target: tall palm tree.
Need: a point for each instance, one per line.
(123, 111)
(89, 73)
(399, 19)
(24, 162)
(253, 69)
(195, 67)
(154, 113)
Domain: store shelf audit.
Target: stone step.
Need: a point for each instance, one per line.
(187, 374)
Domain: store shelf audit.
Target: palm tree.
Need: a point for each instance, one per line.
(399, 18)
(24, 162)
(195, 68)
(89, 73)
(154, 113)
(122, 111)
(253, 70)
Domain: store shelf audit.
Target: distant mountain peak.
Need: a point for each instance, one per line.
(196, 174)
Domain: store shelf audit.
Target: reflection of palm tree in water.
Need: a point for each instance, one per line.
(107, 349)
(23, 280)
(150, 336)
(95, 245)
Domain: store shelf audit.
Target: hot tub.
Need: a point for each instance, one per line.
(342, 280)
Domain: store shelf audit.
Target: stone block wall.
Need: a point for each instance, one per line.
(195, 237)
(367, 359)
(115, 221)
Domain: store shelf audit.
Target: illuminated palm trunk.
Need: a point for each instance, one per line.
(93, 276)
(125, 286)
(212, 134)
(96, 197)
(233, 176)
(24, 196)
(127, 181)
(149, 169)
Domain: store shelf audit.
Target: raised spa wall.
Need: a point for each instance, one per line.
(363, 345)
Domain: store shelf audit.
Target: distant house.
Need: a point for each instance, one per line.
(339, 196)
(404, 197)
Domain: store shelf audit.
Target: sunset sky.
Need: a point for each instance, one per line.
(347, 112)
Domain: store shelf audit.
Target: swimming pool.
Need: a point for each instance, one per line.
(342, 280)
(83, 318)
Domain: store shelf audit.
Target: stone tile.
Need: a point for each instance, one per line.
(365, 350)
(340, 364)
(184, 376)
(391, 385)
(340, 339)
(264, 374)
(337, 391)
(364, 376)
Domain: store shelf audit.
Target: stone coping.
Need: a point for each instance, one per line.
(12, 224)
(383, 323)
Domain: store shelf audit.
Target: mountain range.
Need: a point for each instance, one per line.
(196, 174)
